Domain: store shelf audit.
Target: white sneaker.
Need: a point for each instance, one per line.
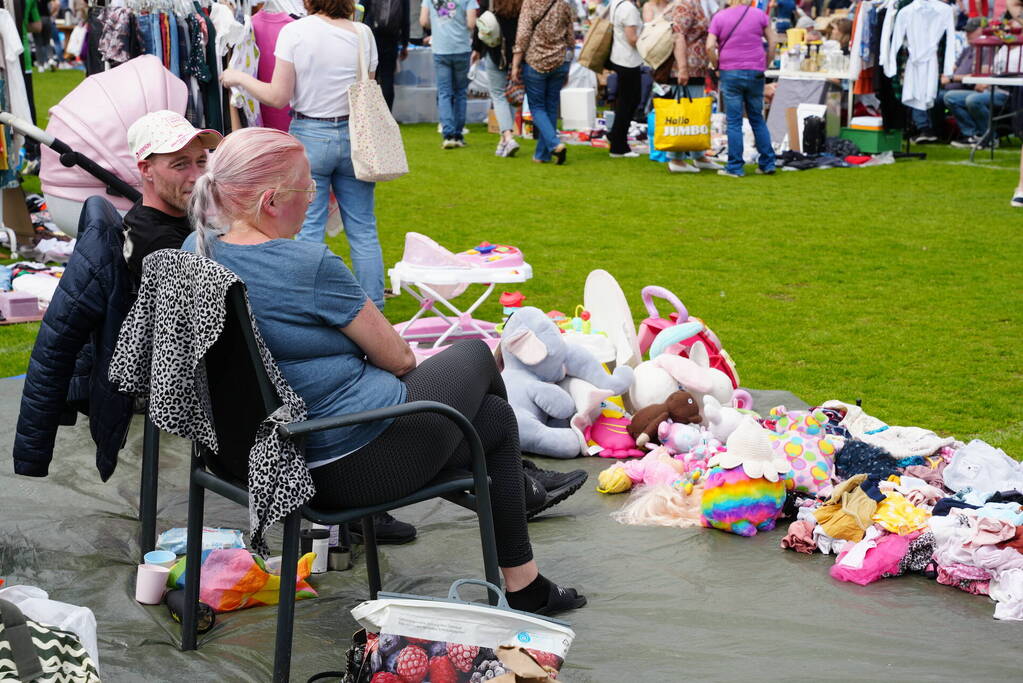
(500, 151)
(729, 175)
(511, 148)
(459, 142)
(708, 164)
(449, 144)
(681, 168)
(627, 155)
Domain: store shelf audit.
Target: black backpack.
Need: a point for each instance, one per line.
(388, 16)
(813, 135)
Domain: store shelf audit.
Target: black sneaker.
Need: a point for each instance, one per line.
(924, 138)
(547, 488)
(389, 531)
(963, 142)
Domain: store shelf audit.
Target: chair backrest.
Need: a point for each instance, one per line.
(241, 393)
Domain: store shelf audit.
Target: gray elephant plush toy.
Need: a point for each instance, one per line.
(536, 358)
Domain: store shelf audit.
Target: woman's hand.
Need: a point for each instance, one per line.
(516, 73)
(230, 78)
(683, 76)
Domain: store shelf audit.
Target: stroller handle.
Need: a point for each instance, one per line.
(26, 128)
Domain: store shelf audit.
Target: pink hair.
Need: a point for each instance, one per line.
(241, 169)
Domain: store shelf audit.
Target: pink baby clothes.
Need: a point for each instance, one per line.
(991, 531)
(880, 560)
(932, 475)
(800, 537)
(965, 578)
(266, 26)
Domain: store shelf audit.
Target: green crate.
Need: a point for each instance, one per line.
(873, 141)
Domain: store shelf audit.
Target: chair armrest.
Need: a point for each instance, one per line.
(320, 424)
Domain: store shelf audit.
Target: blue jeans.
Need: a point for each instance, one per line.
(497, 81)
(452, 92)
(922, 117)
(329, 149)
(693, 91)
(971, 109)
(743, 89)
(543, 91)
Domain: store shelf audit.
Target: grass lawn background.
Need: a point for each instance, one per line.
(899, 285)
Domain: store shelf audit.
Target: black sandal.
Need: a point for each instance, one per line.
(560, 600)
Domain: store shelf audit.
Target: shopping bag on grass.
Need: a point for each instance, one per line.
(454, 639)
(683, 124)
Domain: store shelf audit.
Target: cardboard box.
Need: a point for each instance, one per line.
(492, 125)
(792, 118)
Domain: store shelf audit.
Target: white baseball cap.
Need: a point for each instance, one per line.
(165, 131)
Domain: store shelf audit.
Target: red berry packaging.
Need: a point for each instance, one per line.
(452, 640)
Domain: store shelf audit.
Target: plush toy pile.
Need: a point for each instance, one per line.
(885, 499)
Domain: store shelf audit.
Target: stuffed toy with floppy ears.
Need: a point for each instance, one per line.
(536, 358)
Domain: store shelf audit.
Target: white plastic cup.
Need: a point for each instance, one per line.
(321, 546)
(150, 583)
(164, 558)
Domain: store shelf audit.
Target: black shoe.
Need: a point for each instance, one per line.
(547, 488)
(560, 154)
(924, 138)
(963, 142)
(389, 531)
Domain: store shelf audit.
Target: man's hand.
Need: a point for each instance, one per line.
(981, 87)
(475, 57)
(945, 80)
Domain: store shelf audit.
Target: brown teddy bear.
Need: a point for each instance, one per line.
(680, 407)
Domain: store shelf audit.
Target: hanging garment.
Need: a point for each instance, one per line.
(922, 25)
(17, 103)
(245, 58)
(113, 43)
(266, 26)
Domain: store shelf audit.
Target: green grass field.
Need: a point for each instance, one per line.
(899, 285)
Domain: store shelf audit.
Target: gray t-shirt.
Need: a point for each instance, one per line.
(301, 293)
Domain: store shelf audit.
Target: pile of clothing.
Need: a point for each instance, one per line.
(907, 500)
(886, 500)
(37, 279)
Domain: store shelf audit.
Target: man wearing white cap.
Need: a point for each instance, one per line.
(171, 154)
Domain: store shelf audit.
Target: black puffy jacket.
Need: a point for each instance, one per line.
(87, 309)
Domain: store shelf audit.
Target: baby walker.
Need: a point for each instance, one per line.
(433, 276)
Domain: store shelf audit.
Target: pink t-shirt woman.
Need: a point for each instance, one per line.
(744, 48)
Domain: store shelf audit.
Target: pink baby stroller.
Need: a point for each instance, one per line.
(85, 146)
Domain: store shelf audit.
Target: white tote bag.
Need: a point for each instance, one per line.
(377, 150)
(657, 41)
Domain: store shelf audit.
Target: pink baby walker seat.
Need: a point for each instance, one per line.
(94, 119)
(434, 275)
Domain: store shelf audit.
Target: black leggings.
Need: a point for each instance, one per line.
(626, 101)
(415, 448)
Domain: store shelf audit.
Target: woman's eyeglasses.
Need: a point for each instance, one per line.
(311, 190)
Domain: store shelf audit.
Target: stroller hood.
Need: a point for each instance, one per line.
(93, 119)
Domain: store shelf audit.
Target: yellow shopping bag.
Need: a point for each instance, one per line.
(682, 124)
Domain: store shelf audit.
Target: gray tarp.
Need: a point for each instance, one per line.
(664, 604)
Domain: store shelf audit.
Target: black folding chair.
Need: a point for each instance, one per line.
(242, 396)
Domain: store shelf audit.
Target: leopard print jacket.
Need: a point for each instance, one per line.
(178, 316)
